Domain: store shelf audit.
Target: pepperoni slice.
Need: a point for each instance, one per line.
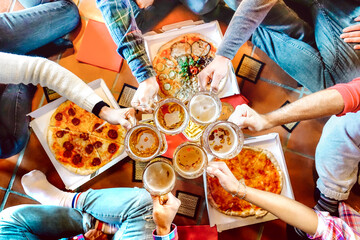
(89, 148)
(60, 134)
(58, 117)
(67, 154)
(96, 126)
(76, 159)
(96, 161)
(68, 145)
(84, 136)
(98, 144)
(67, 128)
(112, 134)
(112, 148)
(75, 121)
(71, 112)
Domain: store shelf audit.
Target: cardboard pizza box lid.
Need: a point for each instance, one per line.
(41, 122)
(211, 30)
(223, 222)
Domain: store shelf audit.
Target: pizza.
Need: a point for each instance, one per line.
(79, 141)
(259, 169)
(178, 62)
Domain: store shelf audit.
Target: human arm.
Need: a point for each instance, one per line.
(164, 213)
(288, 210)
(351, 34)
(144, 3)
(247, 17)
(35, 70)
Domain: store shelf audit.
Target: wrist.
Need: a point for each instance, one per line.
(162, 230)
(104, 112)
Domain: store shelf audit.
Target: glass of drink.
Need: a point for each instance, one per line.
(190, 160)
(204, 107)
(159, 177)
(143, 142)
(171, 116)
(223, 139)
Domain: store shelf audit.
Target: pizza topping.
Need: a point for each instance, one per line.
(58, 117)
(96, 161)
(162, 77)
(67, 154)
(172, 74)
(60, 134)
(75, 121)
(89, 148)
(76, 159)
(68, 145)
(200, 48)
(96, 126)
(84, 136)
(180, 48)
(194, 70)
(167, 86)
(98, 144)
(71, 112)
(112, 134)
(112, 148)
(160, 67)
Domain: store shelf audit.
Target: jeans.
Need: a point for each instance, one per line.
(338, 155)
(129, 208)
(311, 52)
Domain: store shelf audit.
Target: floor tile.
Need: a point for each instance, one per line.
(5, 5)
(38, 98)
(14, 200)
(309, 132)
(354, 198)
(2, 194)
(89, 10)
(302, 177)
(7, 167)
(125, 76)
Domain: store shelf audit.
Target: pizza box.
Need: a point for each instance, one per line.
(223, 222)
(211, 30)
(41, 121)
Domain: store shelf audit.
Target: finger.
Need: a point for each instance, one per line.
(352, 28)
(352, 40)
(350, 34)
(357, 19)
(357, 47)
(204, 78)
(216, 81)
(125, 123)
(219, 174)
(156, 201)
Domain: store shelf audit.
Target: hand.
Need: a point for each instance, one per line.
(213, 73)
(352, 34)
(225, 176)
(144, 3)
(246, 117)
(94, 234)
(143, 99)
(124, 116)
(164, 213)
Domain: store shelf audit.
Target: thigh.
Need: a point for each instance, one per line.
(28, 29)
(39, 222)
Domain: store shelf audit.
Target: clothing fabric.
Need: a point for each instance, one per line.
(173, 235)
(350, 93)
(346, 227)
(322, 57)
(129, 208)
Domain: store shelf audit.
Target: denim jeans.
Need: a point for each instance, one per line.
(338, 155)
(129, 208)
(311, 52)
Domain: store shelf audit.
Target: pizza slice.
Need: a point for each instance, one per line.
(108, 150)
(114, 133)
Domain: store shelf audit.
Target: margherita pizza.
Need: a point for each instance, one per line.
(78, 144)
(178, 63)
(259, 169)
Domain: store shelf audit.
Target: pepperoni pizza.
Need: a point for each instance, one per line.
(77, 142)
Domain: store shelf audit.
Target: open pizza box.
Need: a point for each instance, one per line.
(41, 122)
(223, 222)
(211, 30)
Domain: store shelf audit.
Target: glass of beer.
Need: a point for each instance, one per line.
(143, 142)
(190, 160)
(204, 108)
(223, 139)
(159, 177)
(171, 116)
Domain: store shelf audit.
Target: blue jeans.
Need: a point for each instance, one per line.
(129, 208)
(312, 53)
(40, 23)
(338, 156)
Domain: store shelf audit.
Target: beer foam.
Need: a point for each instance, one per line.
(203, 108)
(172, 118)
(220, 143)
(146, 141)
(159, 177)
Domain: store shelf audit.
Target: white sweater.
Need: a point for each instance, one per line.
(15, 69)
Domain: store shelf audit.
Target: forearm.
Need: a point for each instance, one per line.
(246, 19)
(288, 210)
(320, 104)
(23, 69)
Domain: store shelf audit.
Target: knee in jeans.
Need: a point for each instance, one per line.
(72, 11)
(10, 215)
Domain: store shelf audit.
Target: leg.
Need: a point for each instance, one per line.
(29, 29)
(338, 155)
(15, 103)
(40, 222)
(129, 208)
(200, 7)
